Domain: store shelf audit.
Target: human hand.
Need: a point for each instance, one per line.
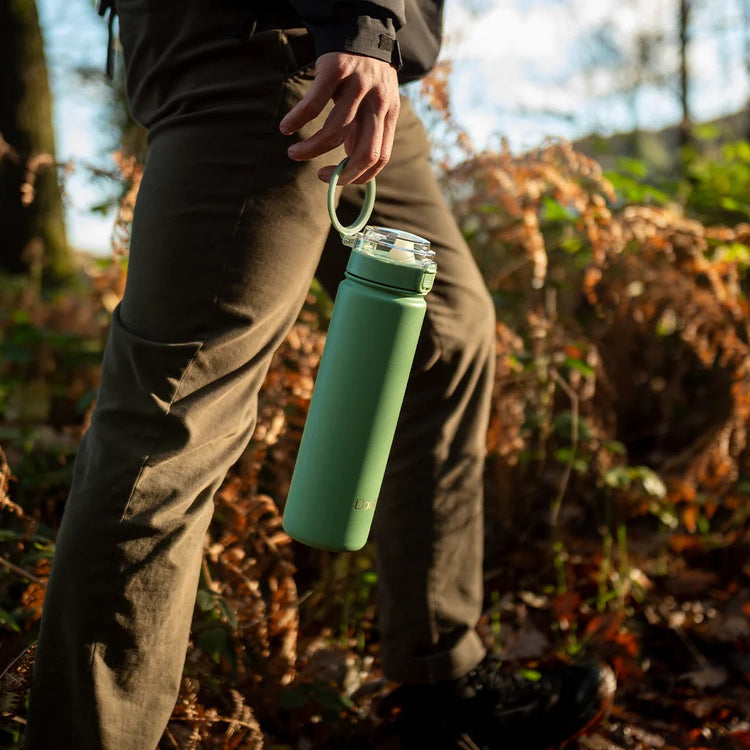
(365, 94)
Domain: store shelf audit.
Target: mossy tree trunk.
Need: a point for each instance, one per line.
(32, 229)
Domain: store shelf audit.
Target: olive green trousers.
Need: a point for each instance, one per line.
(227, 236)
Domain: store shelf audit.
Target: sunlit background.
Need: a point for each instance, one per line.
(523, 70)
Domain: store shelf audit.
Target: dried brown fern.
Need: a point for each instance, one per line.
(668, 305)
(672, 275)
(5, 477)
(15, 682)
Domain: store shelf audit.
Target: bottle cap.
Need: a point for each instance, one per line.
(393, 258)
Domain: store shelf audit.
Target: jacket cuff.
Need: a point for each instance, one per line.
(362, 35)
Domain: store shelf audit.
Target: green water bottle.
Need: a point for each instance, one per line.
(368, 354)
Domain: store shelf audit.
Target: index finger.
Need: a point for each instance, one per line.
(309, 106)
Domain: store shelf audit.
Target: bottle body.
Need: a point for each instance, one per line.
(353, 414)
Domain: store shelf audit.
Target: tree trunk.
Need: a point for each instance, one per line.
(32, 229)
(686, 125)
(745, 7)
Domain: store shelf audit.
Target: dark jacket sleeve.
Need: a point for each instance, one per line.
(365, 28)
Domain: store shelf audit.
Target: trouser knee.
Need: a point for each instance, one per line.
(463, 334)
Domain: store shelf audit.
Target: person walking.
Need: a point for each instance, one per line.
(249, 105)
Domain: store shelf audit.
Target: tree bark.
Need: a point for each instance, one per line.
(686, 125)
(745, 8)
(32, 228)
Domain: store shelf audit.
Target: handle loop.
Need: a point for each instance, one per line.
(364, 214)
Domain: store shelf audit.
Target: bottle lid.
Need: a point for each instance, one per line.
(392, 257)
(393, 246)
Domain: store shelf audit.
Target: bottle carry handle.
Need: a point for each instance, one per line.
(347, 233)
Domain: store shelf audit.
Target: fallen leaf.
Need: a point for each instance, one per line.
(708, 677)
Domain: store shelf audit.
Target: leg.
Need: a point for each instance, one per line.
(440, 445)
(226, 237)
(430, 510)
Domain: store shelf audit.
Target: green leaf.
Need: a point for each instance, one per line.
(7, 619)
(732, 204)
(532, 675)
(667, 324)
(214, 642)
(652, 482)
(668, 517)
(580, 366)
(572, 245)
(614, 446)
(633, 190)
(21, 317)
(742, 151)
(567, 456)
(205, 600)
(706, 132)
(617, 477)
(330, 699)
(635, 167)
(228, 612)
(555, 211)
(736, 252)
(563, 423)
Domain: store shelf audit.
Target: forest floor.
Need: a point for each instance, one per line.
(678, 640)
(673, 622)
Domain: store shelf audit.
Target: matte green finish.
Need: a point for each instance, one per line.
(355, 406)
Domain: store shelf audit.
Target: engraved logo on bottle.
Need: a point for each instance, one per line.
(360, 504)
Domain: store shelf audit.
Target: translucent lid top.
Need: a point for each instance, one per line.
(394, 246)
(391, 258)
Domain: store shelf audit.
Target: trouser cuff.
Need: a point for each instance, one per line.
(438, 667)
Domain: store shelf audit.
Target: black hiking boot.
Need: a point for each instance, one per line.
(491, 708)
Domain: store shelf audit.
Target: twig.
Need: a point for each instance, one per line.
(573, 396)
(171, 738)
(466, 743)
(7, 151)
(21, 572)
(216, 720)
